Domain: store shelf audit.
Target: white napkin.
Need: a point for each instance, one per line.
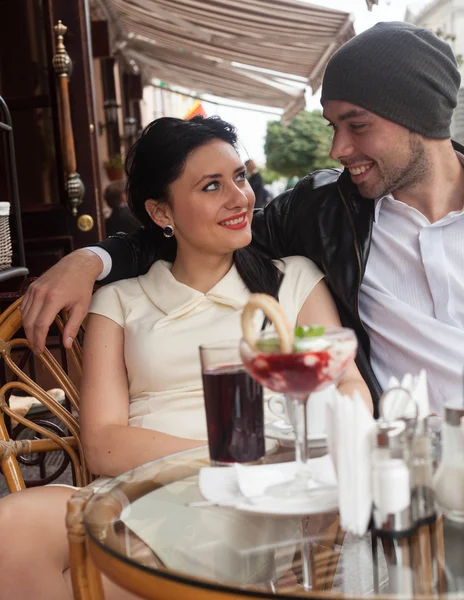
(349, 426)
(397, 404)
(253, 480)
(245, 487)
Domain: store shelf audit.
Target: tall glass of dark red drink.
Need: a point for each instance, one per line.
(233, 405)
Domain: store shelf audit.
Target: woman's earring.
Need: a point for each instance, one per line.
(168, 231)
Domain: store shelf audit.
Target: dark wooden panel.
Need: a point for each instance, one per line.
(43, 253)
(82, 103)
(108, 80)
(135, 86)
(46, 221)
(25, 86)
(113, 138)
(46, 236)
(100, 39)
(25, 102)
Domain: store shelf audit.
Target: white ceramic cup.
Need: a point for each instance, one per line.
(282, 407)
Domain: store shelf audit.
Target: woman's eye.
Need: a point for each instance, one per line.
(211, 187)
(241, 176)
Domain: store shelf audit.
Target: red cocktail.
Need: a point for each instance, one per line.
(315, 362)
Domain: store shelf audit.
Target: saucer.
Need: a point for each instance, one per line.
(283, 432)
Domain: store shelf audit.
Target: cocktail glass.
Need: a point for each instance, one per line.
(315, 363)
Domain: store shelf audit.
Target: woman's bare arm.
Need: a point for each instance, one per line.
(111, 446)
(319, 309)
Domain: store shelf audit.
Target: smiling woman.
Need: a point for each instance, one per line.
(187, 175)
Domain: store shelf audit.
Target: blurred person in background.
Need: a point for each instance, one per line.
(121, 218)
(256, 182)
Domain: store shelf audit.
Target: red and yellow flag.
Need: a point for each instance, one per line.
(197, 109)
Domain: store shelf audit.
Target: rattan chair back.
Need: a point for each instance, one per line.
(17, 379)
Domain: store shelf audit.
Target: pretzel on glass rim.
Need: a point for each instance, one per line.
(273, 311)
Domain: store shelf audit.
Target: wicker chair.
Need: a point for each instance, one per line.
(17, 379)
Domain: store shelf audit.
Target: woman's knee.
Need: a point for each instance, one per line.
(35, 519)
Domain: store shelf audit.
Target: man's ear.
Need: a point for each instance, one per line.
(159, 212)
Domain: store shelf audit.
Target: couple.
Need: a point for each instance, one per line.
(385, 232)
(141, 391)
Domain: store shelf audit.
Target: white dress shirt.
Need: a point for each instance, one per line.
(412, 298)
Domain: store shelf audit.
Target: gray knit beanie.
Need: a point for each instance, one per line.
(398, 71)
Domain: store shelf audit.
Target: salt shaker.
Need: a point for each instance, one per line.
(391, 480)
(448, 481)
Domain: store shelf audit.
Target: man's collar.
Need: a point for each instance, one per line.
(378, 205)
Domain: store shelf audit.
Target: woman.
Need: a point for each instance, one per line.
(141, 395)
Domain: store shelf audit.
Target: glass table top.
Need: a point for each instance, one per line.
(155, 519)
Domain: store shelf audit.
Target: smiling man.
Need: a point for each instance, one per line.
(387, 230)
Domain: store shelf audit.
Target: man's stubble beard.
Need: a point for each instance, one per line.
(402, 177)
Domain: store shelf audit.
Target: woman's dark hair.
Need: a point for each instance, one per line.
(157, 159)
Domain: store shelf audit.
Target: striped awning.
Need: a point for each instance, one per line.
(259, 51)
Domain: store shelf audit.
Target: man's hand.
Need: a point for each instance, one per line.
(67, 285)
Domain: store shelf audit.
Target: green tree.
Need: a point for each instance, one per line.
(269, 176)
(301, 147)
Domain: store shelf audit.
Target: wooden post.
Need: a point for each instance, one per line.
(62, 66)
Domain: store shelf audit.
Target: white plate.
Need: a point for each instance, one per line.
(281, 431)
(219, 486)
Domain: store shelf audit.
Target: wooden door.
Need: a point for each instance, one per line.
(44, 142)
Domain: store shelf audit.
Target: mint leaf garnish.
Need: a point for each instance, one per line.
(302, 331)
(269, 345)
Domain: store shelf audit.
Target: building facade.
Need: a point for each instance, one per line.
(446, 18)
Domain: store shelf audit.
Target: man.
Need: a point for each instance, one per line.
(256, 182)
(121, 218)
(387, 230)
